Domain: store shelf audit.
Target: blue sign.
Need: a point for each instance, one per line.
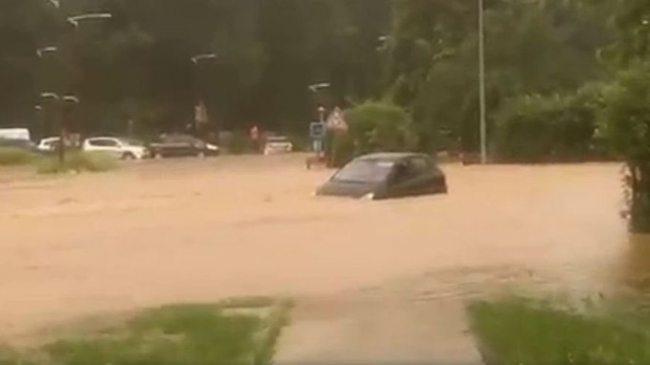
(317, 130)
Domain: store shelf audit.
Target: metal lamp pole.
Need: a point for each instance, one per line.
(59, 105)
(481, 72)
(196, 60)
(315, 88)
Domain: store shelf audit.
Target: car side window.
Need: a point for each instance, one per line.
(403, 171)
(419, 166)
(103, 143)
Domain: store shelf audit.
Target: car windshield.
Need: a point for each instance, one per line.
(365, 171)
(132, 142)
(179, 138)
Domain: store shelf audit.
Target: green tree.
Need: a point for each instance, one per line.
(626, 123)
(540, 47)
(373, 127)
(626, 115)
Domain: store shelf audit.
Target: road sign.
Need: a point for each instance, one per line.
(317, 130)
(336, 121)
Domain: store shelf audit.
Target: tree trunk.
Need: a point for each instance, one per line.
(639, 185)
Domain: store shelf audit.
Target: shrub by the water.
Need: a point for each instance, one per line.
(76, 161)
(11, 156)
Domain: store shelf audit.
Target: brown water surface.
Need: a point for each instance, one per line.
(189, 230)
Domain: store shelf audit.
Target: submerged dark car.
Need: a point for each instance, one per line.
(387, 175)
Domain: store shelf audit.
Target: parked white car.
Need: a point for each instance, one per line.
(277, 145)
(124, 148)
(48, 144)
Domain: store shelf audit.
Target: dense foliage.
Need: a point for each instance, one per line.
(373, 127)
(532, 47)
(555, 128)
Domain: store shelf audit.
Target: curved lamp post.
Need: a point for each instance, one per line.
(74, 20)
(320, 86)
(200, 114)
(203, 57)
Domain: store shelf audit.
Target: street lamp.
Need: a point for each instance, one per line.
(202, 57)
(317, 87)
(201, 114)
(42, 51)
(74, 20)
(481, 75)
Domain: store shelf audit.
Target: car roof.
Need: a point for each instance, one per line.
(390, 156)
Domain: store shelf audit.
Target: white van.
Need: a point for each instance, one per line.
(15, 134)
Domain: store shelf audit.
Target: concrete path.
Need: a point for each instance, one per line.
(378, 326)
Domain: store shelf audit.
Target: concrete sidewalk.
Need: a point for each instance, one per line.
(377, 327)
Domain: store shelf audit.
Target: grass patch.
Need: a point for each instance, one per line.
(170, 335)
(248, 302)
(268, 338)
(526, 332)
(77, 161)
(10, 156)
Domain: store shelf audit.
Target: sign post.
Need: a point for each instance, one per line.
(317, 132)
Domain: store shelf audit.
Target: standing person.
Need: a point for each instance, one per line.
(255, 138)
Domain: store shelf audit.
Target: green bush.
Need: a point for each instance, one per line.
(554, 128)
(301, 143)
(373, 127)
(10, 156)
(238, 143)
(76, 161)
(625, 123)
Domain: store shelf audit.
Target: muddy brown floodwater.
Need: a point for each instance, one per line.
(200, 230)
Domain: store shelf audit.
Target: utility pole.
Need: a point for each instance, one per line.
(481, 72)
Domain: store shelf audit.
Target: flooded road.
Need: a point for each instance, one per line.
(179, 231)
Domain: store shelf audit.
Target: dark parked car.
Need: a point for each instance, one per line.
(387, 175)
(177, 145)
